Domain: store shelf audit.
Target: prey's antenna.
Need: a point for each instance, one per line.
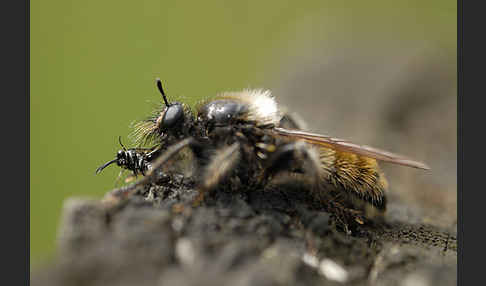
(105, 165)
(119, 140)
(159, 86)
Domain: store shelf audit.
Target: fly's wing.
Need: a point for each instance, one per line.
(346, 146)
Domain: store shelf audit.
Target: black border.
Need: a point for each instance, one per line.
(471, 111)
(15, 108)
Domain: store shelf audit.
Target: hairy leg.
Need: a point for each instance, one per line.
(220, 165)
(294, 157)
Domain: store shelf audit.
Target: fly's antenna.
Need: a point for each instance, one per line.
(119, 140)
(159, 86)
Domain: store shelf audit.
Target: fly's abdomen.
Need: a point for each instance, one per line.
(355, 174)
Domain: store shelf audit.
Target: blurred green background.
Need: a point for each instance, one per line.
(93, 66)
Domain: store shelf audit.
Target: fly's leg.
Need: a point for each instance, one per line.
(220, 165)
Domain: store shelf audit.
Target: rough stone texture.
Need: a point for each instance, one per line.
(257, 238)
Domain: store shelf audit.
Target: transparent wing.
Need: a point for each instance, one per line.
(346, 146)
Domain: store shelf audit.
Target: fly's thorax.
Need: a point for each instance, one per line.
(248, 106)
(222, 112)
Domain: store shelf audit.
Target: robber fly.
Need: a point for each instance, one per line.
(245, 134)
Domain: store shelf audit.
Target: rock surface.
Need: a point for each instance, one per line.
(257, 238)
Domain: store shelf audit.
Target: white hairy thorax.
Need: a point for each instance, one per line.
(262, 106)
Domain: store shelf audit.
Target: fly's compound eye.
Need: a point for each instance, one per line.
(172, 115)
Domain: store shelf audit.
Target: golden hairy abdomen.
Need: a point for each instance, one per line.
(356, 174)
